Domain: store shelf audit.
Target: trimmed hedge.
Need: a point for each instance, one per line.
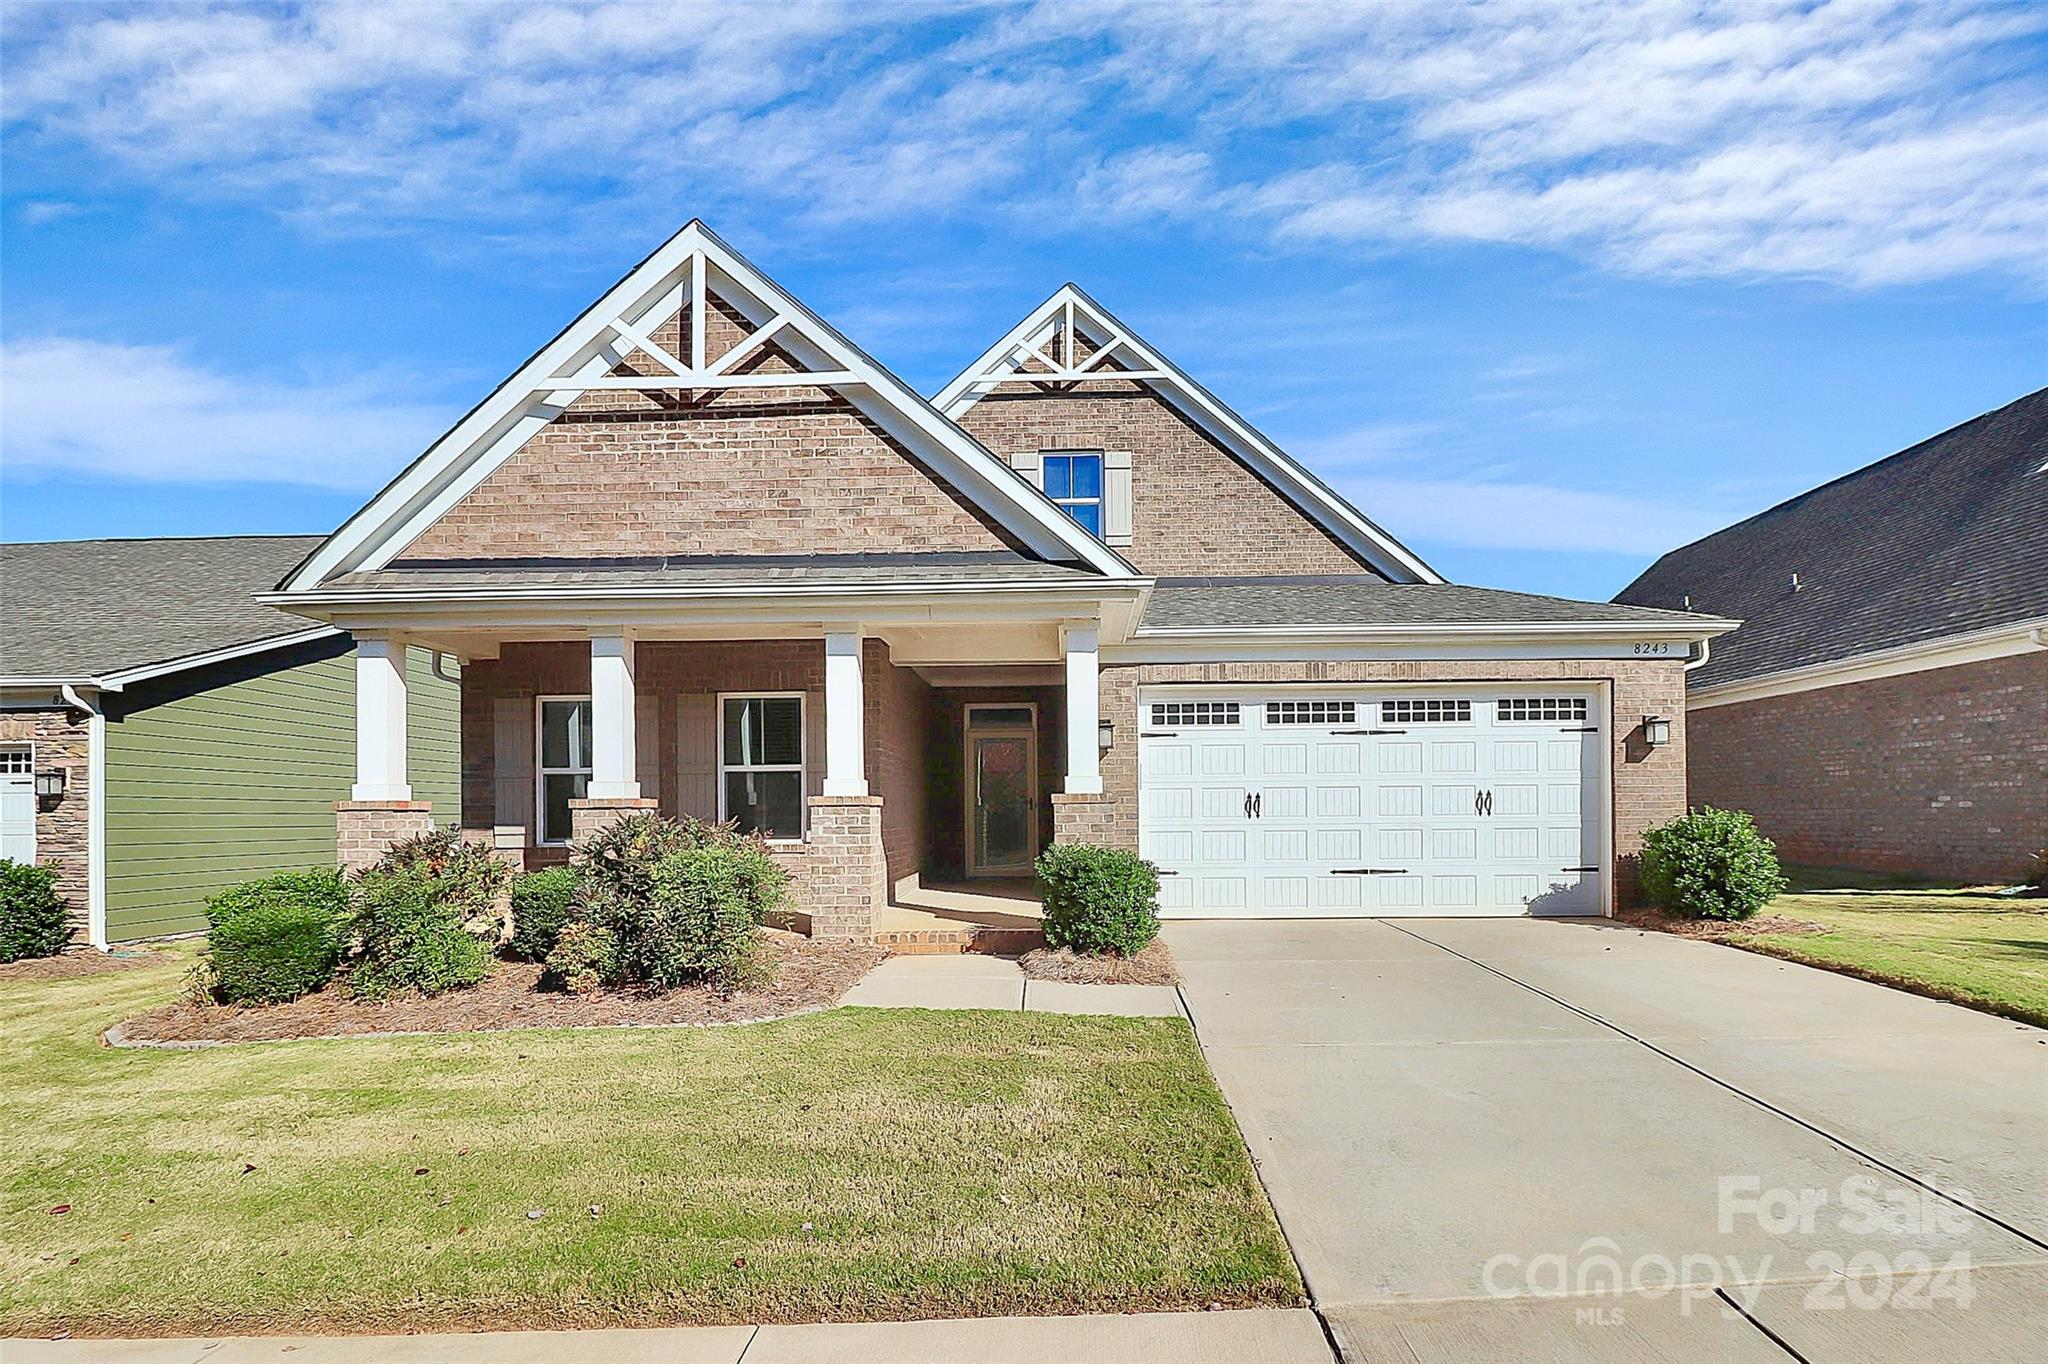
(1711, 864)
(541, 901)
(35, 921)
(1098, 899)
(275, 938)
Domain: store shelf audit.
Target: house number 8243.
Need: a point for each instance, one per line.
(1659, 648)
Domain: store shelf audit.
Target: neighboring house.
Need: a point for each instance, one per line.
(702, 554)
(162, 734)
(1885, 704)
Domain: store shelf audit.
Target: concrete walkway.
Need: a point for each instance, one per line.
(1455, 1118)
(1278, 1337)
(974, 981)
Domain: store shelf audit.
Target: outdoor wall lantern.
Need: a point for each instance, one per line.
(50, 785)
(1105, 735)
(1656, 731)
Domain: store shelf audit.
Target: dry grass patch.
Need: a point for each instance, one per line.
(81, 961)
(845, 1165)
(1152, 966)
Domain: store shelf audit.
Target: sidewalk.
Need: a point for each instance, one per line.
(1265, 1337)
(972, 980)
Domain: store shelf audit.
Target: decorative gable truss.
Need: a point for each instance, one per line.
(1071, 340)
(694, 276)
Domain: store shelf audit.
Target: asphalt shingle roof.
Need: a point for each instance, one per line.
(1945, 538)
(1361, 600)
(74, 609)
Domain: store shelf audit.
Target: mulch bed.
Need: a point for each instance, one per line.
(1715, 928)
(80, 961)
(808, 976)
(1153, 966)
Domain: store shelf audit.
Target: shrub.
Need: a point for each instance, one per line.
(409, 935)
(1098, 899)
(274, 939)
(681, 900)
(620, 857)
(2037, 880)
(583, 960)
(471, 877)
(540, 906)
(34, 919)
(1710, 864)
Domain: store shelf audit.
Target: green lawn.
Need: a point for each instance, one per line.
(845, 1165)
(1990, 952)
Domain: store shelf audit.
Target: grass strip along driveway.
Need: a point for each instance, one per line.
(844, 1165)
(1990, 952)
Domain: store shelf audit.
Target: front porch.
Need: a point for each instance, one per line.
(906, 785)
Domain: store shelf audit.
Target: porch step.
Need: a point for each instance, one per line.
(931, 942)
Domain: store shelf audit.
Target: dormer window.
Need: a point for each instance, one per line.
(1073, 480)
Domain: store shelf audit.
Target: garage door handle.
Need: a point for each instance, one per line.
(1370, 871)
(1482, 803)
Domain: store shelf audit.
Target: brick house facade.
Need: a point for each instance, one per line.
(1884, 706)
(735, 519)
(1948, 769)
(59, 739)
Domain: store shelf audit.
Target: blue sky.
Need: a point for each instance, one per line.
(1545, 289)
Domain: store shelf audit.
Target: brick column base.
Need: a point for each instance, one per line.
(1079, 818)
(839, 877)
(363, 829)
(587, 817)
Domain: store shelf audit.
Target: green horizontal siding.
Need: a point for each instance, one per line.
(217, 776)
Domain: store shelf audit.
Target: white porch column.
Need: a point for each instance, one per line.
(1084, 710)
(845, 714)
(614, 761)
(380, 718)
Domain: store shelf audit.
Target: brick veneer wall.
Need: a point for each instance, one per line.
(1943, 772)
(1194, 509)
(748, 471)
(363, 829)
(1649, 783)
(1085, 819)
(895, 727)
(62, 742)
(839, 877)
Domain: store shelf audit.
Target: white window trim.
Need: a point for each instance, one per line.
(541, 771)
(802, 766)
(1101, 499)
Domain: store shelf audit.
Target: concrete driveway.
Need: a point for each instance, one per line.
(1467, 1125)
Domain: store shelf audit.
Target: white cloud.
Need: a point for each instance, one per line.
(36, 212)
(104, 409)
(1853, 140)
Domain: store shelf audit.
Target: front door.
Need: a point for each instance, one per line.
(1002, 790)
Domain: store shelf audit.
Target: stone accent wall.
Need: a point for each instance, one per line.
(363, 829)
(1195, 510)
(746, 471)
(1649, 783)
(1080, 818)
(62, 742)
(840, 875)
(590, 817)
(1942, 773)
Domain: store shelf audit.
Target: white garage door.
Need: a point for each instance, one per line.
(1417, 802)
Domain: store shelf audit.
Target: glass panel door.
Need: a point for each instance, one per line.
(1003, 821)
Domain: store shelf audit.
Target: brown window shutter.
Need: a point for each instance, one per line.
(697, 756)
(512, 721)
